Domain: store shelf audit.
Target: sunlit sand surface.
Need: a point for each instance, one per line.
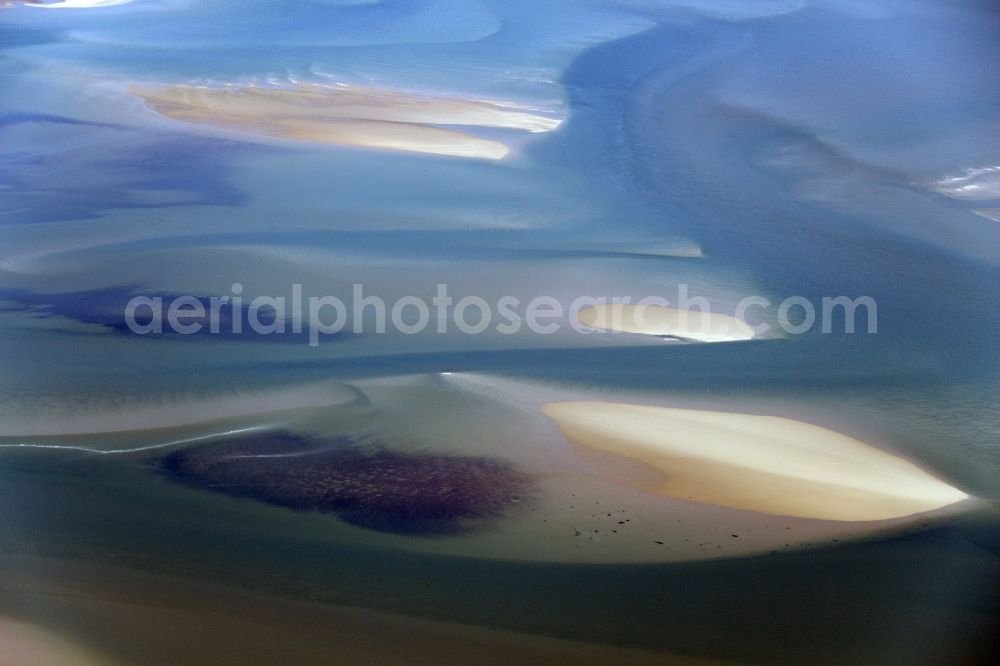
(471, 465)
(758, 463)
(687, 325)
(348, 115)
(988, 213)
(973, 184)
(246, 498)
(24, 644)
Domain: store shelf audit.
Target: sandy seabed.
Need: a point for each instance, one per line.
(58, 612)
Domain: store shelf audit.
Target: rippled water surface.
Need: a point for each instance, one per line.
(764, 148)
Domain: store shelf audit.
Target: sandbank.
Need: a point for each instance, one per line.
(972, 184)
(686, 325)
(757, 463)
(24, 644)
(348, 115)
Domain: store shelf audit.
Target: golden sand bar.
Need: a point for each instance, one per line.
(348, 115)
(690, 325)
(757, 463)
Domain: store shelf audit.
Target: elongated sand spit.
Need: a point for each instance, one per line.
(687, 325)
(757, 463)
(348, 115)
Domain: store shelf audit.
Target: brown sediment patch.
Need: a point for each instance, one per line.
(365, 484)
(348, 115)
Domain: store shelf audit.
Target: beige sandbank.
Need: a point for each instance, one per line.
(348, 115)
(689, 325)
(765, 464)
(25, 644)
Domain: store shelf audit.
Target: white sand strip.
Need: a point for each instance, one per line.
(393, 136)
(758, 463)
(972, 184)
(690, 325)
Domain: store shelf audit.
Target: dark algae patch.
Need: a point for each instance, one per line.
(363, 482)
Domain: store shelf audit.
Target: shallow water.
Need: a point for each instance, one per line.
(767, 148)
